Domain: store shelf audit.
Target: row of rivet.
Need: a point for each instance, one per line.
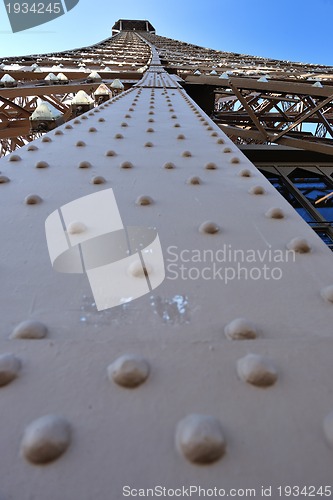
(199, 438)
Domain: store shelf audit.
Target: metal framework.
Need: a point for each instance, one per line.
(123, 56)
(292, 114)
(212, 381)
(258, 100)
(313, 200)
(254, 100)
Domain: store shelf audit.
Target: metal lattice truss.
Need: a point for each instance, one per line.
(293, 114)
(185, 58)
(123, 56)
(257, 100)
(15, 111)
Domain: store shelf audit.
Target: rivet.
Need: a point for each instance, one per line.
(169, 165)
(92, 129)
(227, 150)
(211, 166)
(10, 366)
(80, 144)
(46, 139)
(200, 439)
(144, 200)
(118, 136)
(209, 227)
(151, 120)
(209, 128)
(126, 164)
(45, 439)
(32, 147)
(176, 125)
(4, 179)
(110, 153)
(84, 164)
(257, 190)
(32, 199)
(214, 134)
(58, 132)
(257, 370)
(137, 270)
(240, 329)
(234, 160)
(174, 117)
(128, 116)
(245, 173)
(181, 137)
(220, 141)
(76, 227)
(101, 119)
(149, 145)
(84, 117)
(29, 329)
(299, 245)
(129, 371)
(194, 180)
(327, 293)
(131, 109)
(42, 164)
(77, 122)
(150, 130)
(151, 113)
(97, 179)
(186, 154)
(68, 127)
(275, 213)
(15, 158)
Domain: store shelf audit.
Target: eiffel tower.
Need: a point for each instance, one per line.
(166, 272)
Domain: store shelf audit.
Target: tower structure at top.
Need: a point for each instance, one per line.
(132, 25)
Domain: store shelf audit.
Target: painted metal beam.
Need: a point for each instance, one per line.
(219, 377)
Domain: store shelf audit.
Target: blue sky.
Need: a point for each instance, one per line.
(296, 30)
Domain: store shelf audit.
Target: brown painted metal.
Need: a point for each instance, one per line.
(282, 109)
(119, 57)
(251, 113)
(307, 115)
